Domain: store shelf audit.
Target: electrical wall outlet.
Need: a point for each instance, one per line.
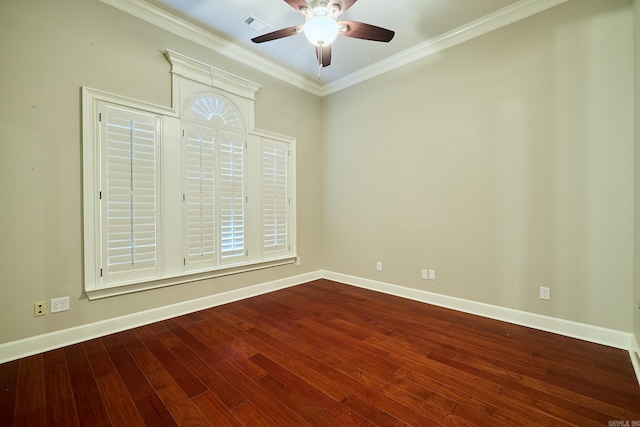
(379, 266)
(545, 293)
(298, 261)
(39, 308)
(424, 273)
(432, 275)
(59, 304)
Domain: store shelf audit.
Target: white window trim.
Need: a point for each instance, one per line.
(265, 136)
(171, 127)
(91, 98)
(188, 76)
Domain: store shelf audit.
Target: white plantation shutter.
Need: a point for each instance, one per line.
(232, 197)
(177, 195)
(275, 196)
(129, 147)
(199, 196)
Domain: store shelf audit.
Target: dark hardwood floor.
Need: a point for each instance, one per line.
(323, 354)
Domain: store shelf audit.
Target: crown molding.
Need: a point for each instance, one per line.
(501, 18)
(160, 18)
(190, 68)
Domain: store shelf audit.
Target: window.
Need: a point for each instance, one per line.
(214, 142)
(275, 196)
(214, 197)
(128, 198)
(177, 195)
(199, 216)
(232, 198)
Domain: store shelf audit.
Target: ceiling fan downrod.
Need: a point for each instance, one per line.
(321, 27)
(319, 60)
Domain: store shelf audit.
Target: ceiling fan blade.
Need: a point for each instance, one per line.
(324, 56)
(343, 4)
(298, 4)
(279, 34)
(360, 30)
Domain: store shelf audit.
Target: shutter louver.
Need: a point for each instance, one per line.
(177, 195)
(275, 196)
(232, 198)
(129, 147)
(199, 158)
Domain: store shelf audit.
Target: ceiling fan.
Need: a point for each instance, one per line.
(321, 27)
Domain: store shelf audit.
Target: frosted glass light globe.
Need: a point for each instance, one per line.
(321, 30)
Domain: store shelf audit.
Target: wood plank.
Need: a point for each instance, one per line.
(154, 412)
(225, 347)
(373, 414)
(498, 405)
(62, 412)
(118, 402)
(88, 401)
(138, 351)
(556, 409)
(259, 397)
(306, 410)
(547, 393)
(224, 391)
(323, 353)
(307, 391)
(215, 411)
(98, 357)
(30, 395)
(189, 383)
(436, 414)
(8, 388)
(597, 389)
(60, 405)
(181, 408)
(128, 369)
(251, 416)
(209, 356)
(300, 362)
(53, 357)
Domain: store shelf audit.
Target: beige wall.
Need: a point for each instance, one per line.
(505, 164)
(49, 49)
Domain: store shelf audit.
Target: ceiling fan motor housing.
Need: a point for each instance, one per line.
(321, 8)
(321, 27)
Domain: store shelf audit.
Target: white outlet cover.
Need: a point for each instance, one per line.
(424, 273)
(545, 293)
(59, 304)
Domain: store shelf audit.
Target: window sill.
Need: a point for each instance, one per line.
(114, 290)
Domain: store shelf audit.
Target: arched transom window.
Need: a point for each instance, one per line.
(191, 192)
(215, 110)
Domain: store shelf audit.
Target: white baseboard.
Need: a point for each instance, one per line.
(41, 343)
(596, 334)
(634, 353)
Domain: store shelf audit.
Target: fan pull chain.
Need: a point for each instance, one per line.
(320, 62)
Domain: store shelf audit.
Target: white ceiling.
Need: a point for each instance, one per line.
(422, 27)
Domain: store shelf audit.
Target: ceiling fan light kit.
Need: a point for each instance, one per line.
(321, 27)
(321, 30)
